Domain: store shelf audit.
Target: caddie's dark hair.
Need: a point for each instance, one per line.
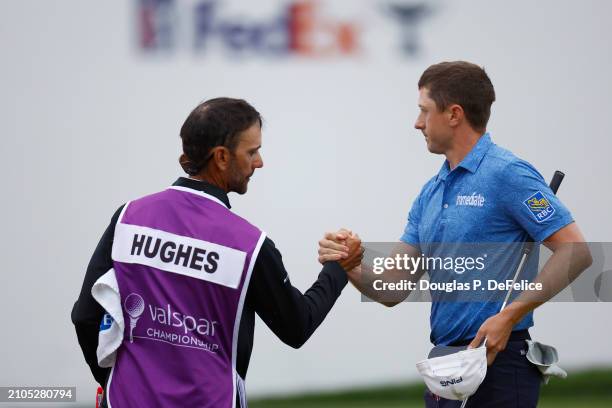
(215, 122)
(461, 83)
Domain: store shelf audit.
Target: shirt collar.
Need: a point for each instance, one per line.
(473, 158)
(204, 187)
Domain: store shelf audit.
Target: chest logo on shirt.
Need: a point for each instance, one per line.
(473, 200)
(539, 206)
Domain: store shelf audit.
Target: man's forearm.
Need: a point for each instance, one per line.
(388, 288)
(363, 279)
(567, 262)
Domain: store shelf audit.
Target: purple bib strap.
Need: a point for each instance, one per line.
(183, 262)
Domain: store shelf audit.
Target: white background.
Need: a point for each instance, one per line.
(88, 122)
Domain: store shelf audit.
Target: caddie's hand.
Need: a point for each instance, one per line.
(496, 329)
(355, 253)
(333, 246)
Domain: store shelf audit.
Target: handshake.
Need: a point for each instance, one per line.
(344, 247)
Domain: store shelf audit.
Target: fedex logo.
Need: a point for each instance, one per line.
(298, 28)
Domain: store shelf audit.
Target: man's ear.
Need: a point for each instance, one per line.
(187, 165)
(220, 157)
(184, 162)
(456, 115)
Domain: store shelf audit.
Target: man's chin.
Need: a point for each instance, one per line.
(434, 149)
(242, 189)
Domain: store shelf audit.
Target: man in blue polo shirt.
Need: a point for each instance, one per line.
(445, 212)
(482, 194)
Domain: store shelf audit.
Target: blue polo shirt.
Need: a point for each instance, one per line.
(492, 196)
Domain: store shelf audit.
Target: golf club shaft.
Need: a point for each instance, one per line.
(554, 186)
(527, 247)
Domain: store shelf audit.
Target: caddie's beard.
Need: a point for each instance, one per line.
(236, 181)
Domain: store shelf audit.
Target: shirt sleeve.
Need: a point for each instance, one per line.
(87, 312)
(291, 315)
(530, 202)
(411, 231)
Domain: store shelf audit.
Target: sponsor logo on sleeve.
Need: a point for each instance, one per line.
(539, 206)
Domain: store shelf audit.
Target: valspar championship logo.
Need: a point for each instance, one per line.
(134, 306)
(168, 325)
(304, 28)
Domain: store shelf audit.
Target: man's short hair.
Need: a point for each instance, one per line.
(461, 83)
(215, 122)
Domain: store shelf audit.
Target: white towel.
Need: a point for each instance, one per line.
(106, 292)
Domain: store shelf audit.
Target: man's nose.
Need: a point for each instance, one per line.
(259, 162)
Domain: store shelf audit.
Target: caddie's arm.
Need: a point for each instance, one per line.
(87, 313)
(291, 315)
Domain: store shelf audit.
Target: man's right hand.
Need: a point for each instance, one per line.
(335, 247)
(355, 253)
(342, 246)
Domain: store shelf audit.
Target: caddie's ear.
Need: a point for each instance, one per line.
(186, 164)
(220, 156)
(455, 115)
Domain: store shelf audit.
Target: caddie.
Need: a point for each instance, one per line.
(182, 277)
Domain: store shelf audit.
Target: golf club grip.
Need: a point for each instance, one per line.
(556, 181)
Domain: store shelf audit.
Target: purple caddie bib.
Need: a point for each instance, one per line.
(183, 263)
